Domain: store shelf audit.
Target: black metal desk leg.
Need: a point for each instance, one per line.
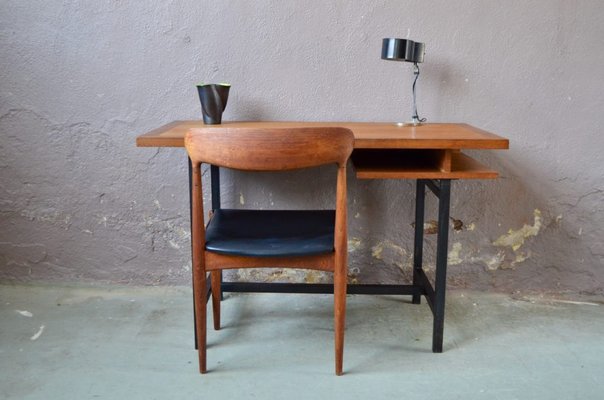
(215, 184)
(440, 281)
(418, 242)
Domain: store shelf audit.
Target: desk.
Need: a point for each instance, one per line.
(431, 154)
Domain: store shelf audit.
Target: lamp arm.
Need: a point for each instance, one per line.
(415, 118)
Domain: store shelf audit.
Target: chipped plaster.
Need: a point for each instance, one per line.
(515, 238)
(388, 251)
(493, 263)
(354, 244)
(454, 256)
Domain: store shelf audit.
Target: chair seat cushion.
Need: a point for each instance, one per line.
(271, 233)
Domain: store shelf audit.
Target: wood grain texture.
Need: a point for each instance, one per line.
(216, 262)
(199, 270)
(216, 295)
(274, 149)
(340, 269)
(444, 160)
(367, 135)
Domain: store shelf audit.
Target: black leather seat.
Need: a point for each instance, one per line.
(271, 233)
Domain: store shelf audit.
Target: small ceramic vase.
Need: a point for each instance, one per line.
(213, 98)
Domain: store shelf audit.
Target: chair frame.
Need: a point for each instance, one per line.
(275, 149)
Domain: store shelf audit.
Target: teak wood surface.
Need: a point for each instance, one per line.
(367, 135)
(273, 149)
(382, 150)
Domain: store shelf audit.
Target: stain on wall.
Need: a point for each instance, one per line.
(80, 203)
(515, 238)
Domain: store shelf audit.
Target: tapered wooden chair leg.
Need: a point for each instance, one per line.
(339, 318)
(200, 320)
(216, 294)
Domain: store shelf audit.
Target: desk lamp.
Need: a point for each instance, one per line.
(394, 49)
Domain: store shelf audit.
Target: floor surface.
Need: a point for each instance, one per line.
(137, 343)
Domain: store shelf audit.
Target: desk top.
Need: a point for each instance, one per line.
(367, 135)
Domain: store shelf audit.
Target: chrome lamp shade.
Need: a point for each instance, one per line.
(394, 49)
(402, 50)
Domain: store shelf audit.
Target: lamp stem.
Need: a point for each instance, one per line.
(415, 119)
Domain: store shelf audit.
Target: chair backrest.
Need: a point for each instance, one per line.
(271, 149)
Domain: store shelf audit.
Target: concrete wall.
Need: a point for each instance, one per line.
(80, 80)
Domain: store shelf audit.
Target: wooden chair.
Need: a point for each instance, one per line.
(309, 239)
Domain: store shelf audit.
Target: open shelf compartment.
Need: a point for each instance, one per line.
(418, 164)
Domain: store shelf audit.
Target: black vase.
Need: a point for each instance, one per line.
(213, 98)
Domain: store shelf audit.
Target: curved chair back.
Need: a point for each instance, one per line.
(274, 149)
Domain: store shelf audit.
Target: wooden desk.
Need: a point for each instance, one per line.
(431, 154)
(382, 150)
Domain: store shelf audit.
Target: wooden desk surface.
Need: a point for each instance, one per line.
(367, 135)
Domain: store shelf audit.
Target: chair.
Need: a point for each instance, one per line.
(309, 239)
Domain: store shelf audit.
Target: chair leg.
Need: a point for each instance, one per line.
(216, 295)
(339, 318)
(200, 318)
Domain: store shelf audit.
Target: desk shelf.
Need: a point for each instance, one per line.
(418, 164)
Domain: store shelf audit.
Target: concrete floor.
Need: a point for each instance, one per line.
(137, 343)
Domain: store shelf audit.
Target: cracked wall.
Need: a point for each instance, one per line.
(80, 203)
